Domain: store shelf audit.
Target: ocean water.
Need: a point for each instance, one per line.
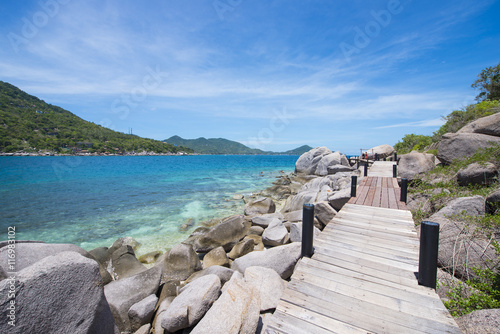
(92, 201)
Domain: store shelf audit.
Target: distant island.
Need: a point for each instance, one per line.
(224, 146)
(30, 126)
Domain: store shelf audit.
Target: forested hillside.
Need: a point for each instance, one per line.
(29, 124)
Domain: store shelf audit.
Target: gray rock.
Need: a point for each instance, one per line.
(216, 257)
(28, 253)
(413, 164)
(141, 313)
(476, 173)
(260, 206)
(236, 311)
(324, 212)
(124, 263)
(243, 247)
(265, 219)
(101, 255)
(162, 307)
(268, 285)
(257, 241)
(308, 162)
(257, 230)
(275, 234)
(122, 294)
(150, 257)
(339, 169)
(489, 125)
(223, 273)
(296, 232)
(282, 259)
(126, 241)
(462, 145)
(58, 294)
(340, 198)
(294, 216)
(144, 329)
(493, 203)
(296, 202)
(327, 161)
(480, 322)
(191, 304)
(383, 151)
(179, 263)
(226, 234)
(470, 206)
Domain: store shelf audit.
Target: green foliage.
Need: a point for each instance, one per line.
(412, 142)
(29, 124)
(488, 83)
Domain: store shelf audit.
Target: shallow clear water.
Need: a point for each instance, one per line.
(92, 201)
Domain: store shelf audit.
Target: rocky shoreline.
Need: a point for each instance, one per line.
(225, 277)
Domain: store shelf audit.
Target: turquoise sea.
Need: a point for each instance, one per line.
(92, 201)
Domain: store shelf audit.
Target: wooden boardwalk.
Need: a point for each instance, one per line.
(361, 278)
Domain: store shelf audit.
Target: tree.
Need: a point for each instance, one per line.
(488, 83)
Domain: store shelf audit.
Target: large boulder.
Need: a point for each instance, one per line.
(236, 311)
(125, 264)
(179, 263)
(296, 232)
(243, 247)
(281, 259)
(125, 241)
(340, 198)
(382, 151)
(141, 313)
(260, 206)
(268, 284)
(223, 273)
(308, 162)
(461, 145)
(28, 253)
(480, 322)
(265, 219)
(122, 294)
(476, 173)
(275, 234)
(489, 125)
(191, 304)
(61, 293)
(324, 212)
(226, 234)
(216, 257)
(327, 163)
(413, 164)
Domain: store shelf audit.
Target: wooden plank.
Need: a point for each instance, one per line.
(393, 203)
(361, 196)
(370, 196)
(286, 323)
(360, 313)
(386, 228)
(377, 211)
(377, 221)
(384, 203)
(411, 304)
(381, 235)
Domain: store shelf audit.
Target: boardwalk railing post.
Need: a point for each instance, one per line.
(307, 230)
(354, 182)
(404, 190)
(394, 170)
(366, 167)
(428, 257)
(376, 156)
(396, 157)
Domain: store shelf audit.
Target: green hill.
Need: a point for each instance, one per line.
(29, 124)
(225, 146)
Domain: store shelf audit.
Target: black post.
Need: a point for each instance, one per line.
(354, 183)
(396, 156)
(394, 170)
(366, 167)
(428, 257)
(307, 230)
(404, 189)
(376, 156)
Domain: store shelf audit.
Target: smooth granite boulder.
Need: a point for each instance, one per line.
(101, 255)
(462, 145)
(124, 263)
(122, 294)
(281, 259)
(61, 293)
(28, 253)
(328, 161)
(340, 198)
(489, 125)
(257, 241)
(478, 174)
(150, 257)
(275, 234)
(191, 304)
(236, 311)
(265, 219)
(324, 212)
(296, 232)
(257, 230)
(480, 322)
(141, 313)
(382, 151)
(243, 247)
(179, 263)
(413, 164)
(223, 273)
(216, 257)
(268, 284)
(308, 162)
(260, 206)
(226, 234)
(125, 241)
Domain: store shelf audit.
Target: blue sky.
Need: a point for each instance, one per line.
(270, 74)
